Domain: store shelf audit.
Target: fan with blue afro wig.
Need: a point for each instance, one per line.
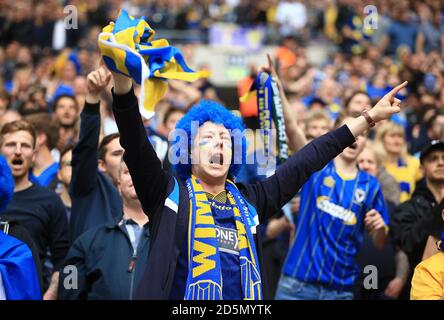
(204, 111)
(6, 184)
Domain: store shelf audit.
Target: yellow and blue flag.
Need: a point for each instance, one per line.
(127, 47)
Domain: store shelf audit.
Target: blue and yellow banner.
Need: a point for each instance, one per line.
(269, 106)
(128, 48)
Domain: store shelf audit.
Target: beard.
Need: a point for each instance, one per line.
(436, 181)
(67, 126)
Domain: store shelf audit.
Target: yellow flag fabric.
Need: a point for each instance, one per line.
(127, 47)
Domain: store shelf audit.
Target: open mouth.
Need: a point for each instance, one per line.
(354, 146)
(17, 162)
(217, 158)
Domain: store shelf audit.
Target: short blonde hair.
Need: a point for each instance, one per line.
(18, 125)
(370, 145)
(313, 115)
(388, 127)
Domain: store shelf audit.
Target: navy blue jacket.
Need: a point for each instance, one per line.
(158, 192)
(104, 257)
(95, 200)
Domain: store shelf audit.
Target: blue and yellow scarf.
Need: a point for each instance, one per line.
(204, 281)
(266, 92)
(127, 47)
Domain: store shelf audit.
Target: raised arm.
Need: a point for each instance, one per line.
(59, 244)
(273, 193)
(384, 108)
(295, 135)
(150, 181)
(84, 154)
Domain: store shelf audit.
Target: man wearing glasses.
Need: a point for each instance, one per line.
(64, 176)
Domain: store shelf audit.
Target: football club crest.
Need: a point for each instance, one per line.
(329, 182)
(359, 195)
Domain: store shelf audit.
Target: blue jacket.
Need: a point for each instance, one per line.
(95, 200)
(166, 202)
(107, 266)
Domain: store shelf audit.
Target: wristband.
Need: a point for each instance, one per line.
(370, 121)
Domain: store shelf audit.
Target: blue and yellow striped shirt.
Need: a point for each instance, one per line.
(330, 227)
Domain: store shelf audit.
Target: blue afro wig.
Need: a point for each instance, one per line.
(6, 184)
(204, 111)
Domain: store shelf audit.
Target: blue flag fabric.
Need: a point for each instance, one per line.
(128, 48)
(6, 184)
(18, 271)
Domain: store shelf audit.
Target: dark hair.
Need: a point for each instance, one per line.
(36, 89)
(44, 123)
(340, 119)
(66, 149)
(18, 125)
(5, 96)
(56, 101)
(355, 93)
(290, 38)
(429, 123)
(170, 111)
(27, 107)
(317, 100)
(105, 141)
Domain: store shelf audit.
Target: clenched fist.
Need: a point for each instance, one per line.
(373, 221)
(96, 82)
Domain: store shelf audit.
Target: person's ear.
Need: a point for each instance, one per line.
(41, 139)
(118, 185)
(59, 175)
(421, 167)
(34, 155)
(101, 165)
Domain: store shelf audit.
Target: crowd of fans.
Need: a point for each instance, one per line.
(43, 69)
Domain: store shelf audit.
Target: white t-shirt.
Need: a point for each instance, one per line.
(292, 16)
(59, 35)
